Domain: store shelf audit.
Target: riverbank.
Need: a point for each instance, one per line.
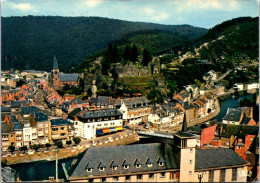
(229, 95)
(65, 152)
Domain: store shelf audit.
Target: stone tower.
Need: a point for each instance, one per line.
(186, 143)
(55, 73)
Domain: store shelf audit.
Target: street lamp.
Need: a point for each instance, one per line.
(200, 176)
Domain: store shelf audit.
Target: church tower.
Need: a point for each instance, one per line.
(55, 74)
(186, 143)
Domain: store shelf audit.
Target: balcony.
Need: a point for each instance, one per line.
(55, 136)
(40, 134)
(4, 139)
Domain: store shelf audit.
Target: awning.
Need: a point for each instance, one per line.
(99, 132)
(106, 130)
(112, 129)
(119, 128)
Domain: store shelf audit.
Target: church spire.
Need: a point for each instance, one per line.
(184, 126)
(55, 64)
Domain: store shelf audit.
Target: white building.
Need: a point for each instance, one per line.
(89, 124)
(239, 86)
(29, 134)
(252, 86)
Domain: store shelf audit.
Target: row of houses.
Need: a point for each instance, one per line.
(32, 126)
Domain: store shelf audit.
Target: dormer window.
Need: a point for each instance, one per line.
(160, 161)
(113, 165)
(126, 165)
(101, 166)
(149, 163)
(89, 167)
(137, 163)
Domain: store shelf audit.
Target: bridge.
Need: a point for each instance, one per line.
(153, 134)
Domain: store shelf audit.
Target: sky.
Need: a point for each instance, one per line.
(199, 13)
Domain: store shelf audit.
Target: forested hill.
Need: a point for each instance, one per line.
(30, 42)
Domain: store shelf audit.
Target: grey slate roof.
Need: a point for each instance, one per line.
(233, 114)
(17, 104)
(5, 109)
(99, 113)
(245, 121)
(219, 157)
(57, 122)
(17, 126)
(74, 112)
(121, 154)
(13, 119)
(30, 110)
(68, 77)
(40, 117)
(132, 102)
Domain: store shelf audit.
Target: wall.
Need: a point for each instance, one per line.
(207, 135)
(64, 153)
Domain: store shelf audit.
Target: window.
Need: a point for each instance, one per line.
(63, 134)
(101, 168)
(238, 147)
(89, 169)
(234, 174)
(46, 124)
(126, 166)
(114, 168)
(211, 176)
(88, 126)
(62, 128)
(105, 124)
(162, 175)
(190, 161)
(55, 129)
(222, 175)
(190, 172)
(191, 150)
(184, 143)
(151, 175)
(139, 177)
(113, 118)
(138, 166)
(76, 123)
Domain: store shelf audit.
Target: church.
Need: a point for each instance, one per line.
(60, 79)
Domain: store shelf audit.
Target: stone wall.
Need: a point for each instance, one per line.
(63, 153)
(133, 70)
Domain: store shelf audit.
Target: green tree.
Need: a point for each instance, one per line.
(68, 142)
(127, 53)
(134, 54)
(146, 57)
(47, 145)
(36, 147)
(20, 82)
(11, 149)
(76, 140)
(58, 143)
(24, 148)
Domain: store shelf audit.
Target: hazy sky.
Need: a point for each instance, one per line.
(201, 13)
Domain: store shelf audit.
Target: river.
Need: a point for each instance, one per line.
(42, 170)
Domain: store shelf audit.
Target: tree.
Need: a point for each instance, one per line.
(134, 54)
(76, 140)
(24, 148)
(20, 82)
(68, 142)
(127, 53)
(58, 143)
(114, 54)
(11, 149)
(47, 145)
(146, 57)
(36, 147)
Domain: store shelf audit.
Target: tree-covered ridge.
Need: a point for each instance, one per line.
(30, 42)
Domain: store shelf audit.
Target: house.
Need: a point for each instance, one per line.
(238, 86)
(30, 136)
(16, 136)
(27, 111)
(158, 162)
(89, 124)
(42, 124)
(61, 129)
(135, 110)
(211, 75)
(243, 116)
(102, 102)
(6, 133)
(73, 104)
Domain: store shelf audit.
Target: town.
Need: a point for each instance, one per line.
(129, 91)
(40, 124)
